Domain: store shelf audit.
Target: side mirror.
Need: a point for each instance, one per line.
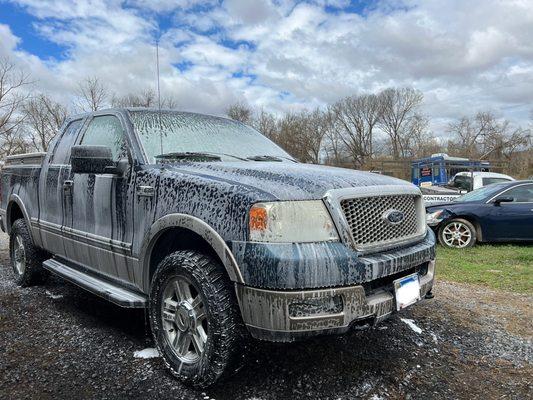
(92, 160)
(503, 199)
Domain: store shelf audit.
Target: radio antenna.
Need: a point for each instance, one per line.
(159, 95)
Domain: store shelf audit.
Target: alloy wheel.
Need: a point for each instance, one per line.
(457, 234)
(19, 255)
(184, 319)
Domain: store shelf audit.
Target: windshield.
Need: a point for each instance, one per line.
(481, 193)
(180, 136)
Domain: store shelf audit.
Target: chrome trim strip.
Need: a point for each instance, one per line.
(91, 239)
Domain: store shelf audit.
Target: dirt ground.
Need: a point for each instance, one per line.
(57, 341)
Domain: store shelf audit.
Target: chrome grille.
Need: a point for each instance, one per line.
(369, 226)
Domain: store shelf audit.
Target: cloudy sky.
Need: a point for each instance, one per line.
(465, 55)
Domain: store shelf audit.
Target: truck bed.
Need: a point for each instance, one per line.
(25, 159)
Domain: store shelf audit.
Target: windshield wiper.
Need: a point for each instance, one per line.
(189, 155)
(264, 158)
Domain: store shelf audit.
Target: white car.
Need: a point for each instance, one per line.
(460, 184)
(463, 180)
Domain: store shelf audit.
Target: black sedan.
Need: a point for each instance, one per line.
(501, 212)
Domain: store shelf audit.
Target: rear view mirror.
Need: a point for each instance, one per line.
(503, 199)
(91, 160)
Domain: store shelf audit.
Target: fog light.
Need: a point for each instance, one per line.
(315, 307)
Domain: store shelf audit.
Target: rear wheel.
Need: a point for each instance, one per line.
(195, 319)
(26, 259)
(457, 233)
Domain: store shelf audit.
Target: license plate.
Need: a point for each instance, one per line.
(407, 291)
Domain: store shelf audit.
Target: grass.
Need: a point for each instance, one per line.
(503, 267)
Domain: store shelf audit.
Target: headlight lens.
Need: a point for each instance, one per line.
(291, 222)
(434, 218)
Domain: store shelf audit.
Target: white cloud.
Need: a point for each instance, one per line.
(465, 56)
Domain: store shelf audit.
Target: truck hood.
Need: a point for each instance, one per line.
(282, 180)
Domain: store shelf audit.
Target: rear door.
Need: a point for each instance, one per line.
(514, 220)
(54, 204)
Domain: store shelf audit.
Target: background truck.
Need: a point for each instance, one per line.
(442, 178)
(216, 231)
(461, 183)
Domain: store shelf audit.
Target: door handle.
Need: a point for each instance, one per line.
(67, 185)
(145, 191)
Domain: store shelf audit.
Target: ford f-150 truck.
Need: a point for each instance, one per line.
(216, 231)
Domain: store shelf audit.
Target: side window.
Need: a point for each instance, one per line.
(436, 170)
(462, 182)
(62, 151)
(521, 194)
(106, 131)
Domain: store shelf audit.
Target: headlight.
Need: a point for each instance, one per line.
(434, 218)
(291, 221)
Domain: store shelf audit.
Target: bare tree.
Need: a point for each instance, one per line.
(483, 135)
(240, 112)
(12, 97)
(355, 118)
(420, 141)
(398, 110)
(316, 125)
(471, 133)
(266, 123)
(146, 98)
(287, 135)
(92, 95)
(43, 119)
(169, 102)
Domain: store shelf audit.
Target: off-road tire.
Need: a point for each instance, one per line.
(226, 337)
(33, 273)
(462, 222)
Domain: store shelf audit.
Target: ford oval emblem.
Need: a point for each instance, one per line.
(393, 216)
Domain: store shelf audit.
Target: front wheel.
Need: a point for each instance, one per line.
(457, 233)
(194, 318)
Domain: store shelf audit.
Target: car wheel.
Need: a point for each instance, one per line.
(195, 319)
(26, 259)
(457, 233)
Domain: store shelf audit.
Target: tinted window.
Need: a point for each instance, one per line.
(489, 181)
(62, 150)
(463, 182)
(483, 193)
(106, 131)
(520, 194)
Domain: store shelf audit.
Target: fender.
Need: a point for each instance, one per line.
(15, 199)
(197, 226)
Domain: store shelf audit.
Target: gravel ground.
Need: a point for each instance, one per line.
(58, 341)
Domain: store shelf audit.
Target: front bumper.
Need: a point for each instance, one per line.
(290, 315)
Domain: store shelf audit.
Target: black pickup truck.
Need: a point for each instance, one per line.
(216, 231)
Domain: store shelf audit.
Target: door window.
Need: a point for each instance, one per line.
(490, 181)
(62, 150)
(520, 194)
(106, 130)
(462, 182)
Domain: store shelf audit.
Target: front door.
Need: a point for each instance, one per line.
(514, 220)
(101, 226)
